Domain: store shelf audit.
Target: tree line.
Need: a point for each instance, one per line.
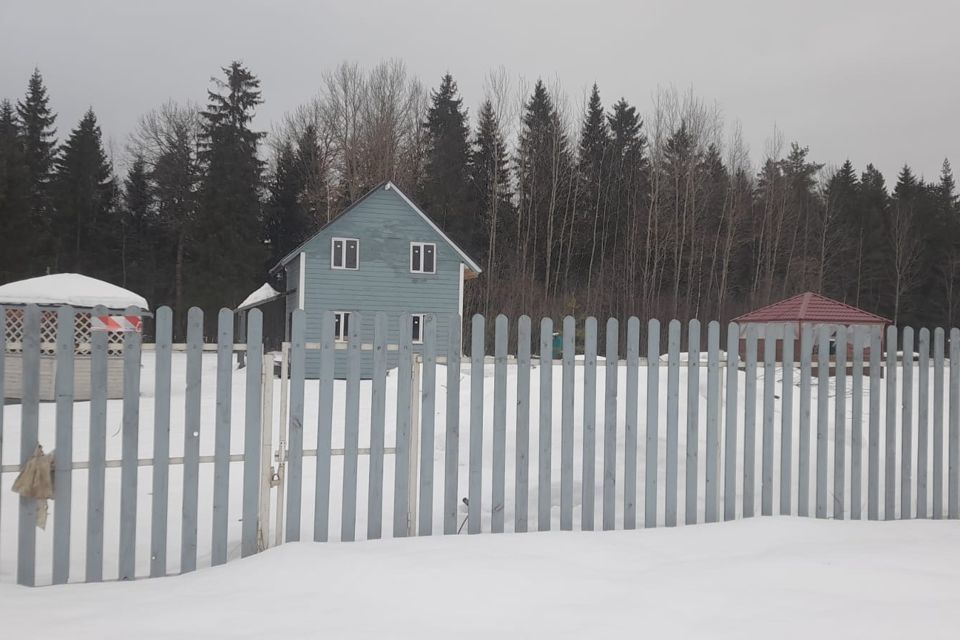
(587, 210)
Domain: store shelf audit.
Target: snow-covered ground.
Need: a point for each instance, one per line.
(758, 578)
(8, 505)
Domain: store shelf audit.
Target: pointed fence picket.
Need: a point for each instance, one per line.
(745, 424)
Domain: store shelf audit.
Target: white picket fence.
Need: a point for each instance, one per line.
(511, 443)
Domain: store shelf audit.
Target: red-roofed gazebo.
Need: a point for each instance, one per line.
(806, 309)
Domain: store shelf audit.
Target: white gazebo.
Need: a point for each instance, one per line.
(83, 294)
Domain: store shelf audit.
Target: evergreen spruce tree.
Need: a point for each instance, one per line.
(842, 202)
(444, 192)
(87, 231)
(227, 257)
(287, 223)
(874, 203)
(15, 222)
(947, 189)
(629, 189)
(948, 212)
(490, 186)
(140, 232)
(39, 146)
(542, 166)
(593, 174)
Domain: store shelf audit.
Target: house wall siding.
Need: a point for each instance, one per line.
(385, 225)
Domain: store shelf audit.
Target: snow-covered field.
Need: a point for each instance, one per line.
(8, 507)
(758, 578)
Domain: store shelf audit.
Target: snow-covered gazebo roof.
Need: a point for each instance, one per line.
(71, 289)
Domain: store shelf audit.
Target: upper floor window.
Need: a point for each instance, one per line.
(344, 253)
(423, 257)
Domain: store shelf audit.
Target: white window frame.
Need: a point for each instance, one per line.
(344, 265)
(423, 318)
(422, 253)
(342, 336)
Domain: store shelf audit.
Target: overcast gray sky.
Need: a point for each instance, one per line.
(873, 80)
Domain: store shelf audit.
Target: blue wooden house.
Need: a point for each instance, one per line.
(381, 254)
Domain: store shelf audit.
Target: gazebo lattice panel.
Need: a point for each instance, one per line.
(83, 333)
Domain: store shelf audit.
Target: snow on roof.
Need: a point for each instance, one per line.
(811, 307)
(71, 289)
(261, 295)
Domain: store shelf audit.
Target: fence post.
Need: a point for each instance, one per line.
(266, 433)
(497, 493)
(98, 452)
(769, 390)
(191, 441)
(130, 466)
(321, 500)
(588, 488)
(253, 421)
(906, 426)
(566, 424)
(923, 423)
(938, 339)
(477, 351)
(544, 482)
(856, 426)
(953, 473)
(823, 397)
(451, 459)
(427, 400)
(693, 419)
(221, 465)
(351, 435)
(803, 457)
(712, 486)
(522, 486)
(29, 425)
(401, 475)
(631, 423)
(890, 444)
(610, 428)
(873, 446)
(377, 427)
(413, 482)
(786, 425)
(297, 371)
(730, 425)
(161, 447)
(653, 424)
(64, 439)
(673, 423)
(840, 424)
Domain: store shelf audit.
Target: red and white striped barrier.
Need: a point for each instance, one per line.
(116, 323)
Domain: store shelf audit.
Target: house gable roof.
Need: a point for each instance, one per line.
(811, 307)
(386, 186)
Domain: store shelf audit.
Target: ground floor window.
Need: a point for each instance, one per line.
(341, 325)
(417, 321)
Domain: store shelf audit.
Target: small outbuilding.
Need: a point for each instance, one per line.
(83, 294)
(791, 316)
(273, 305)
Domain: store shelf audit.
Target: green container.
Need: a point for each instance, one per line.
(557, 345)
